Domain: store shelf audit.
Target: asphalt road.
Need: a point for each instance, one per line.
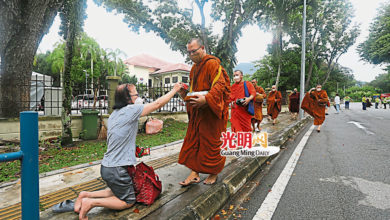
(342, 173)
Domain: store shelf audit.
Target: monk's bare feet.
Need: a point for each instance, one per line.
(192, 178)
(77, 204)
(85, 207)
(211, 179)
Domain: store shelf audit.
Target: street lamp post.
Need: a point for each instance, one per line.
(303, 57)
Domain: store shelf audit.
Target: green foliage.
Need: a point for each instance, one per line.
(357, 92)
(86, 49)
(267, 68)
(376, 49)
(381, 82)
(52, 156)
(330, 34)
(129, 79)
(176, 27)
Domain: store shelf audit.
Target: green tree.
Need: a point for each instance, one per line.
(73, 15)
(22, 26)
(376, 49)
(381, 82)
(277, 19)
(175, 25)
(115, 55)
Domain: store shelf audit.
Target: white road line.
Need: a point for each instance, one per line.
(270, 203)
(360, 126)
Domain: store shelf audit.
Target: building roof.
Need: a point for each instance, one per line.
(173, 68)
(146, 60)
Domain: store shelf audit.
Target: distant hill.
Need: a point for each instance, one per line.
(246, 68)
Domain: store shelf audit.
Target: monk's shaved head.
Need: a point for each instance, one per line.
(239, 71)
(197, 41)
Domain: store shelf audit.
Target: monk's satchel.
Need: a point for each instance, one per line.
(147, 185)
(250, 107)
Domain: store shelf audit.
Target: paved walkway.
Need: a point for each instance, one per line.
(67, 183)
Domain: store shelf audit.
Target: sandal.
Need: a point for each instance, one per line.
(64, 206)
(194, 180)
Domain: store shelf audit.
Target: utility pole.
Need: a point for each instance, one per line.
(303, 57)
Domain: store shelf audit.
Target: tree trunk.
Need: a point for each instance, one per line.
(66, 138)
(203, 25)
(279, 49)
(309, 73)
(278, 76)
(22, 26)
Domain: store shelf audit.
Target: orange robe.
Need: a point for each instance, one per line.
(294, 102)
(314, 104)
(259, 106)
(240, 118)
(201, 147)
(274, 104)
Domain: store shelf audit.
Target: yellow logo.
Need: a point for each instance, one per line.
(260, 139)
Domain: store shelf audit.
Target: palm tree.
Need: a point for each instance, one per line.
(115, 55)
(90, 47)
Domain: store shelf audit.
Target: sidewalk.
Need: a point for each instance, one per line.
(176, 202)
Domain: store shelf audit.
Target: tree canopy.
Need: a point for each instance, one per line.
(376, 49)
(176, 27)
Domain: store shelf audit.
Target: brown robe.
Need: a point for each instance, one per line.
(201, 147)
(259, 106)
(293, 105)
(240, 118)
(274, 104)
(314, 104)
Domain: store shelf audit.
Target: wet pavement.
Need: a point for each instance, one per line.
(163, 158)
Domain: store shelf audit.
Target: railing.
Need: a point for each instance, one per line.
(28, 155)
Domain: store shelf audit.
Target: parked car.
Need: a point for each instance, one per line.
(83, 101)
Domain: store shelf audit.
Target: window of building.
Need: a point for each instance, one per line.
(184, 79)
(174, 79)
(167, 80)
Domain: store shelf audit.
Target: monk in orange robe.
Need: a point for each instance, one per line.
(260, 96)
(274, 104)
(208, 115)
(293, 104)
(314, 104)
(240, 118)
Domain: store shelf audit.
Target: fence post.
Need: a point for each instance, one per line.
(112, 82)
(30, 168)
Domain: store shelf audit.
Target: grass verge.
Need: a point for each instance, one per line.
(53, 157)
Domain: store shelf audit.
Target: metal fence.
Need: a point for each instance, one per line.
(46, 97)
(150, 94)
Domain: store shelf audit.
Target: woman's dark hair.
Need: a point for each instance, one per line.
(122, 97)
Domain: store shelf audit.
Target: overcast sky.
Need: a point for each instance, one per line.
(110, 31)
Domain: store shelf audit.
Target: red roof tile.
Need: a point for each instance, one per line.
(174, 67)
(146, 60)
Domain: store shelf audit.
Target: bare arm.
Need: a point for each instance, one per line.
(160, 102)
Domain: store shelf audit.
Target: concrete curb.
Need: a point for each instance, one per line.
(207, 204)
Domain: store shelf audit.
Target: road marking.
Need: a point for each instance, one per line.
(270, 203)
(360, 126)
